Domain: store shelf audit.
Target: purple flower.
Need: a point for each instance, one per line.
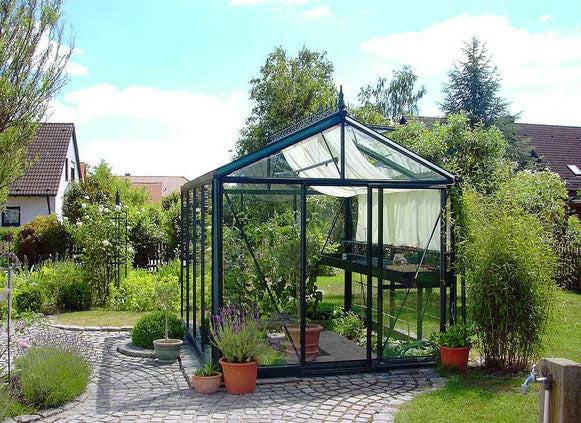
(24, 344)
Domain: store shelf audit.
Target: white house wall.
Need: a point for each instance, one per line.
(30, 207)
(64, 184)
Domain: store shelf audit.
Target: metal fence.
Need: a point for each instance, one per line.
(569, 270)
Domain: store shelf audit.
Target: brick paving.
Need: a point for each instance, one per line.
(131, 389)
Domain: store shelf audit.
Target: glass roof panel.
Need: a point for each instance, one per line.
(318, 156)
(369, 158)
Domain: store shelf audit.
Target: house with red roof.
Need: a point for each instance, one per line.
(55, 164)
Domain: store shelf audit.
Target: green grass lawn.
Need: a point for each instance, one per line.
(99, 318)
(480, 398)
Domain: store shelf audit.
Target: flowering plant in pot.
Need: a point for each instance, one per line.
(238, 334)
(207, 379)
(454, 345)
(166, 350)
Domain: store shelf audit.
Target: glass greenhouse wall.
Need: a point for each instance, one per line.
(331, 228)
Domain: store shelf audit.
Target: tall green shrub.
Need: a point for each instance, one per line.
(40, 239)
(509, 263)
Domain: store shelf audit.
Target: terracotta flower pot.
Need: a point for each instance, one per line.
(167, 351)
(207, 384)
(454, 357)
(312, 335)
(239, 378)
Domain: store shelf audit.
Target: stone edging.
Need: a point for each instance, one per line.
(92, 328)
(131, 350)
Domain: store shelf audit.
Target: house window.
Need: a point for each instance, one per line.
(66, 169)
(72, 173)
(574, 169)
(11, 216)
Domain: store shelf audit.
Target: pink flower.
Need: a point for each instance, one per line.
(24, 344)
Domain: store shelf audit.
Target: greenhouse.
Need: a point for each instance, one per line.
(338, 234)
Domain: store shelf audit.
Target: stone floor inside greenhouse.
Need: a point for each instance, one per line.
(136, 389)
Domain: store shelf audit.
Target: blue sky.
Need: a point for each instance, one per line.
(161, 86)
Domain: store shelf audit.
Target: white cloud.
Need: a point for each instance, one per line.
(541, 71)
(546, 17)
(76, 69)
(318, 12)
(145, 130)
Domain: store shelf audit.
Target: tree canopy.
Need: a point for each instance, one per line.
(33, 59)
(473, 86)
(391, 100)
(286, 90)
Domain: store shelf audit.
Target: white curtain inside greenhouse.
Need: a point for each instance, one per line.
(409, 214)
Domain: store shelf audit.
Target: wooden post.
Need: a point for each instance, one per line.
(565, 395)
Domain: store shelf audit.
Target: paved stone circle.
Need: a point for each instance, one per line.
(132, 389)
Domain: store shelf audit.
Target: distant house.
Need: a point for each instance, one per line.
(158, 186)
(55, 164)
(559, 148)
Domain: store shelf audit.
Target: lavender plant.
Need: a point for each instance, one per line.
(237, 333)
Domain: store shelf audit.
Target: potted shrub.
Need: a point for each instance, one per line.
(207, 379)
(454, 346)
(166, 350)
(237, 333)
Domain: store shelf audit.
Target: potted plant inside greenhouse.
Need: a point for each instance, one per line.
(166, 350)
(207, 379)
(454, 346)
(237, 333)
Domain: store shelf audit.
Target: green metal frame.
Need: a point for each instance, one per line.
(217, 180)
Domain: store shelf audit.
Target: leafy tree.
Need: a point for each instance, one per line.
(473, 86)
(393, 100)
(474, 155)
(100, 187)
(287, 89)
(32, 71)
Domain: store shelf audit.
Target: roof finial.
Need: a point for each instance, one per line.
(341, 103)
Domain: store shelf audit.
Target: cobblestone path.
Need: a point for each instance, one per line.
(128, 389)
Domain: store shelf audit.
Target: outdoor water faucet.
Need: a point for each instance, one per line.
(533, 378)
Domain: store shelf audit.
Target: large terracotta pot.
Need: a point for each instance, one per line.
(207, 384)
(239, 378)
(454, 357)
(312, 335)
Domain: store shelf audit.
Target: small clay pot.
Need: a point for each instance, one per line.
(454, 357)
(207, 384)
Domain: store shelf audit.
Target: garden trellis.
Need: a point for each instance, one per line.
(330, 213)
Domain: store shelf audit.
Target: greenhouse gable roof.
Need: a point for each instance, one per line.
(329, 149)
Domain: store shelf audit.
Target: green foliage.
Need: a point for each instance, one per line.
(208, 368)
(268, 356)
(50, 376)
(287, 89)
(167, 295)
(456, 336)
(9, 405)
(146, 233)
(40, 239)
(475, 156)
(29, 300)
(50, 279)
(237, 333)
(395, 99)
(398, 348)
(509, 261)
(275, 240)
(135, 292)
(75, 297)
(151, 327)
(473, 86)
(170, 223)
(33, 60)
(347, 324)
